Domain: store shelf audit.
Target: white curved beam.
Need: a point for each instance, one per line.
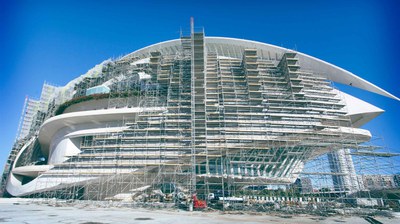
(31, 171)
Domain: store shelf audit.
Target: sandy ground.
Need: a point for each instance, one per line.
(17, 210)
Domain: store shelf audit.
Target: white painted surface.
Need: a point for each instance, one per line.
(31, 171)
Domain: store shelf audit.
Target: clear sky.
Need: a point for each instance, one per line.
(56, 41)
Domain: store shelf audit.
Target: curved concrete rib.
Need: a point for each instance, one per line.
(31, 171)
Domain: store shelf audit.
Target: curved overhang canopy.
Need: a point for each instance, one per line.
(232, 47)
(70, 120)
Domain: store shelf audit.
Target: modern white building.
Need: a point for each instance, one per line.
(194, 112)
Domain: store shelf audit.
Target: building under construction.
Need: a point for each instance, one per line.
(220, 118)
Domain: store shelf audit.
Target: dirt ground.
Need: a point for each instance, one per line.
(17, 210)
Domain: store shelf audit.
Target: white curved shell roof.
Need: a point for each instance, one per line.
(232, 47)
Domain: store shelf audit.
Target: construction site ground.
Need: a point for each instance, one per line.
(18, 210)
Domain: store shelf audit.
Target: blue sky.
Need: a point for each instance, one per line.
(56, 41)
